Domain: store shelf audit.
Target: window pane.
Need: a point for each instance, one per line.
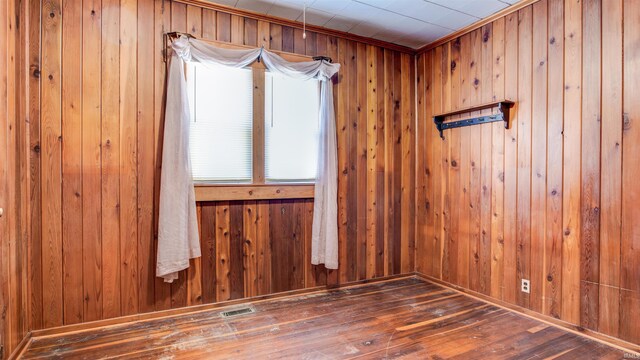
(291, 128)
(221, 127)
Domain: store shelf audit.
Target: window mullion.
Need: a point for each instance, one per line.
(258, 125)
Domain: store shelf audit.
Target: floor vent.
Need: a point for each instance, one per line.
(238, 312)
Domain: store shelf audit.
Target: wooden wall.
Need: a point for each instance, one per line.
(554, 198)
(95, 157)
(13, 177)
(13, 173)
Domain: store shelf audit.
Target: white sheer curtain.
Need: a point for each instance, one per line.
(178, 239)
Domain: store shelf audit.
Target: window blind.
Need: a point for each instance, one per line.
(292, 109)
(221, 123)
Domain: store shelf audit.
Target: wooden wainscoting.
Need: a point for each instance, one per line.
(553, 199)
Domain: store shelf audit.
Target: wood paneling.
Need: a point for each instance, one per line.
(562, 190)
(100, 130)
(14, 184)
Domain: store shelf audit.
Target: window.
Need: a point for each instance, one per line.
(221, 124)
(291, 128)
(239, 136)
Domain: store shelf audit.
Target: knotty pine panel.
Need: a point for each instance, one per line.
(14, 188)
(557, 190)
(96, 145)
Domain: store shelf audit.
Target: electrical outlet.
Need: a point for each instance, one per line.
(526, 286)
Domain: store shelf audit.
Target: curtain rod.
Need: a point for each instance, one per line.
(177, 34)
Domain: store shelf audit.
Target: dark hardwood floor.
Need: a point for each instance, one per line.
(407, 318)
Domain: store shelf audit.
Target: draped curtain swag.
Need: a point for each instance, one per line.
(178, 239)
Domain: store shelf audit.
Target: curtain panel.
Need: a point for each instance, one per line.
(178, 239)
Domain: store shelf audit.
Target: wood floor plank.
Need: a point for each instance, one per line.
(403, 318)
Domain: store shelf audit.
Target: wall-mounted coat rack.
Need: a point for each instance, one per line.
(502, 115)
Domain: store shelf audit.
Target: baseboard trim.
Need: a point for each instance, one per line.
(74, 328)
(575, 329)
(22, 346)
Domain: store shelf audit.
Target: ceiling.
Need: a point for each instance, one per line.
(412, 23)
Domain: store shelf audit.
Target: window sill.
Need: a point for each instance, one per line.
(224, 192)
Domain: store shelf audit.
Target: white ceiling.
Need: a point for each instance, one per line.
(412, 23)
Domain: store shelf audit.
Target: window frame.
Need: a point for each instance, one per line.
(258, 189)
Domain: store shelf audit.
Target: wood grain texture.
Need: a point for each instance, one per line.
(630, 244)
(15, 186)
(407, 318)
(561, 175)
(95, 220)
(611, 169)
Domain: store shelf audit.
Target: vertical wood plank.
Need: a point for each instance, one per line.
(299, 44)
(454, 161)
(129, 276)
(310, 44)
(371, 161)
(351, 114)
(72, 162)
(611, 169)
(223, 251)
(194, 20)
(388, 161)
(497, 162)
(438, 175)
(208, 251)
(145, 155)
(5, 321)
(209, 24)
(91, 162)
(420, 220)
(380, 162)
(110, 160)
(395, 267)
(571, 162)
(287, 39)
(630, 244)
(464, 164)
(590, 200)
(250, 231)
(236, 250)
(523, 216)
(251, 32)
(263, 247)
(223, 26)
(263, 34)
(275, 42)
(237, 29)
(553, 241)
(296, 281)
(474, 164)
(510, 159)
(51, 149)
(486, 166)
(35, 277)
(538, 155)
(360, 191)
